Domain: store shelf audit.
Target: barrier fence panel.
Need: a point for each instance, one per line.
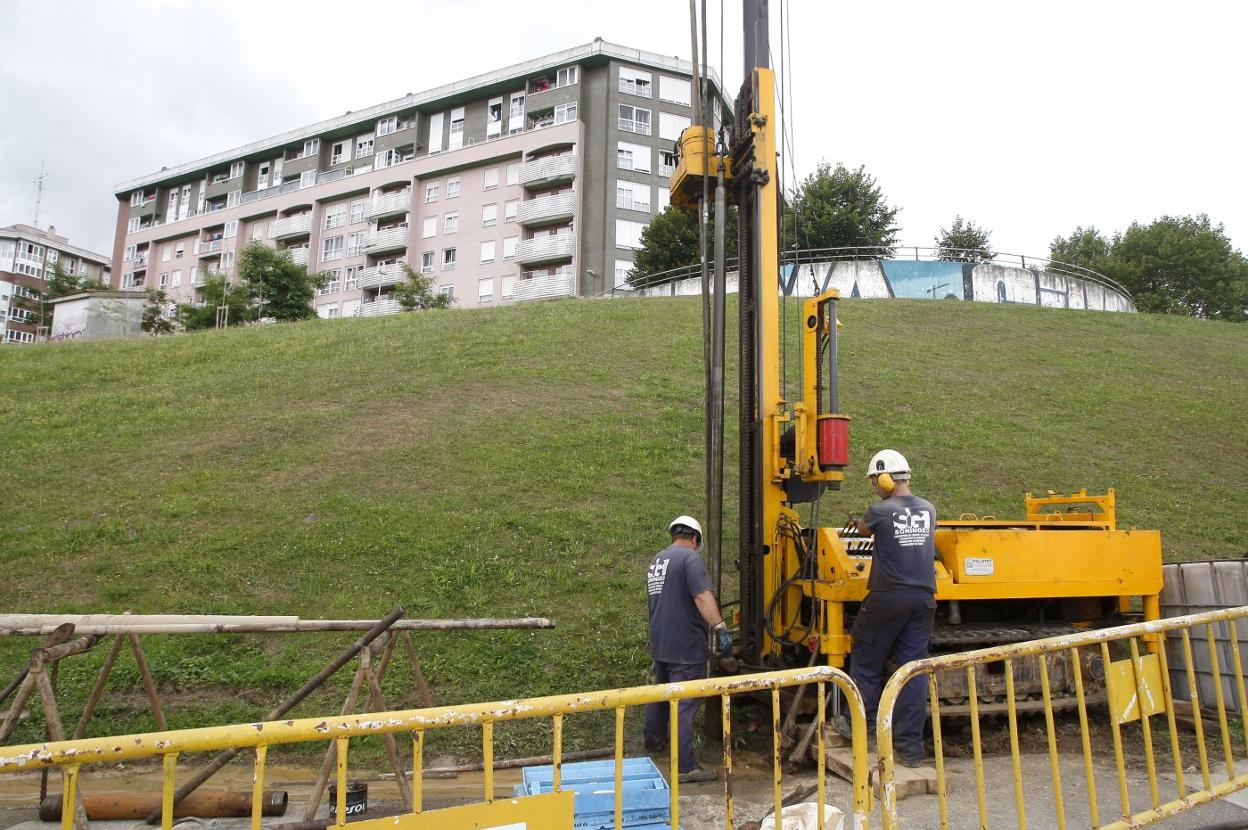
(1118, 680)
(72, 755)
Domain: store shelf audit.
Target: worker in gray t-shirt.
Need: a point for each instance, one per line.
(895, 620)
(682, 609)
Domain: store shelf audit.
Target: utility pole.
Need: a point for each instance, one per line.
(43, 174)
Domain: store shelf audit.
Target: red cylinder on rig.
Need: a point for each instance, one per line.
(833, 441)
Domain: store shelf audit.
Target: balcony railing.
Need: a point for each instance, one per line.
(634, 88)
(203, 247)
(291, 226)
(547, 209)
(386, 239)
(549, 170)
(544, 288)
(289, 187)
(630, 125)
(139, 263)
(666, 170)
(380, 307)
(380, 275)
(388, 204)
(546, 248)
(299, 255)
(628, 203)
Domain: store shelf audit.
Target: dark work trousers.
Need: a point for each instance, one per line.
(657, 725)
(894, 625)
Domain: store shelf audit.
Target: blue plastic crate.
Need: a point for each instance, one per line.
(646, 796)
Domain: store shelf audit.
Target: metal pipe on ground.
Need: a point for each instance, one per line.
(324, 674)
(297, 625)
(218, 804)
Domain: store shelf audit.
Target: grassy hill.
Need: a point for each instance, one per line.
(524, 461)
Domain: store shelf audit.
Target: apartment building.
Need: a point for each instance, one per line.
(528, 182)
(28, 256)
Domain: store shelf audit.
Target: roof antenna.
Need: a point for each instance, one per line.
(43, 174)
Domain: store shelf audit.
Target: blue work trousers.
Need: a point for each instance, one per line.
(897, 626)
(657, 724)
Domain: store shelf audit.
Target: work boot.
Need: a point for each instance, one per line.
(842, 727)
(911, 761)
(655, 747)
(699, 775)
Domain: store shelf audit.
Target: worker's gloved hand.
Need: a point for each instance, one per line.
(723, 641)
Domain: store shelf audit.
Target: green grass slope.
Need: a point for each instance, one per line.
(524, 460)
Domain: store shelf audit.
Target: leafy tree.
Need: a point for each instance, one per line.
(1182, 265)
(1085, 247)
(282, 288)
(416, 293)
(155, 321)
(671, 241)
(217, 292)
(963, 241)
(840, 208)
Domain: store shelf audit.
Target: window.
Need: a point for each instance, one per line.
(515, 118)
(513, 173)
(331, 249)
(430, 228)
(494, 118)
(632, 157)
(234, 198)
(634, 82)
(331, 312)
(311, 147)
(426, 262)
(457, 129)
(671, 126)
(485, 289)
(307, 178)
(166, 253)
(257, 231)
(128, 255)
(448, 259)
(227, 262)
(565, 76)
(448, 291)
(431, 192)
(634, 119)
(664, 199)
(452, 187)
(622, 267)
(132, 225)
(491, 178)
(137, 198)
(509, 287)
(511, 208)
(236, 169)
(339, 152)
(450, 222)
(335, 216)
(352, 280)
(489, 215)
(435, 132)
(355, 244)
(231, 229)
(164, 280)
(387, 125)
(14, 336)
(364, 146)
(628, 234)
(632, 196)
(332, 282)
(674, 90)
(487, 251)
(667, 162)
(565, 113)
(179, 250)
(510, 244)
(357, 211)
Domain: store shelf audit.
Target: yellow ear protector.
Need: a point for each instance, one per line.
(885, 482)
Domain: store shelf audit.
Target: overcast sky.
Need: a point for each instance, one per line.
(1029, 119)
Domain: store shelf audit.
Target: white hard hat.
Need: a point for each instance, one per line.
(685, 523)
(891, 462)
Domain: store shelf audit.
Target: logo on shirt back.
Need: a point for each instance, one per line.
(656, 576)
(911, 528)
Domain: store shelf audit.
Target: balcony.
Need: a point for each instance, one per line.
(382, 275)
(547, 210)
(299, 255)
(631, 87)
(629, 203)
(379, 308)
(630, 125)
(139, 263)
(544, 172)
(390, 204)
(546, 249)
(266, 192)
(545, 288)
(208, 247)
(390, 239)
(300, 225)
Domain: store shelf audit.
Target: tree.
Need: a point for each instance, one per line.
(155, 320)
(963, 241)
(1182, 265)
(1085, 247)
(217, 292)
(416, 293)
(282, 288)
(671, 241)
(840, 208)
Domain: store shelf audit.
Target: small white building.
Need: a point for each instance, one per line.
(98, 315)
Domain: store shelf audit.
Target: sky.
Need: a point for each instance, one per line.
(1027, 119)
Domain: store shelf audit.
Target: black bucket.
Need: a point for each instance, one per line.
(357, 799)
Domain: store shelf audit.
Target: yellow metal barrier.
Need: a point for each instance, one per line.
(1137, 688)
(70, 756)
